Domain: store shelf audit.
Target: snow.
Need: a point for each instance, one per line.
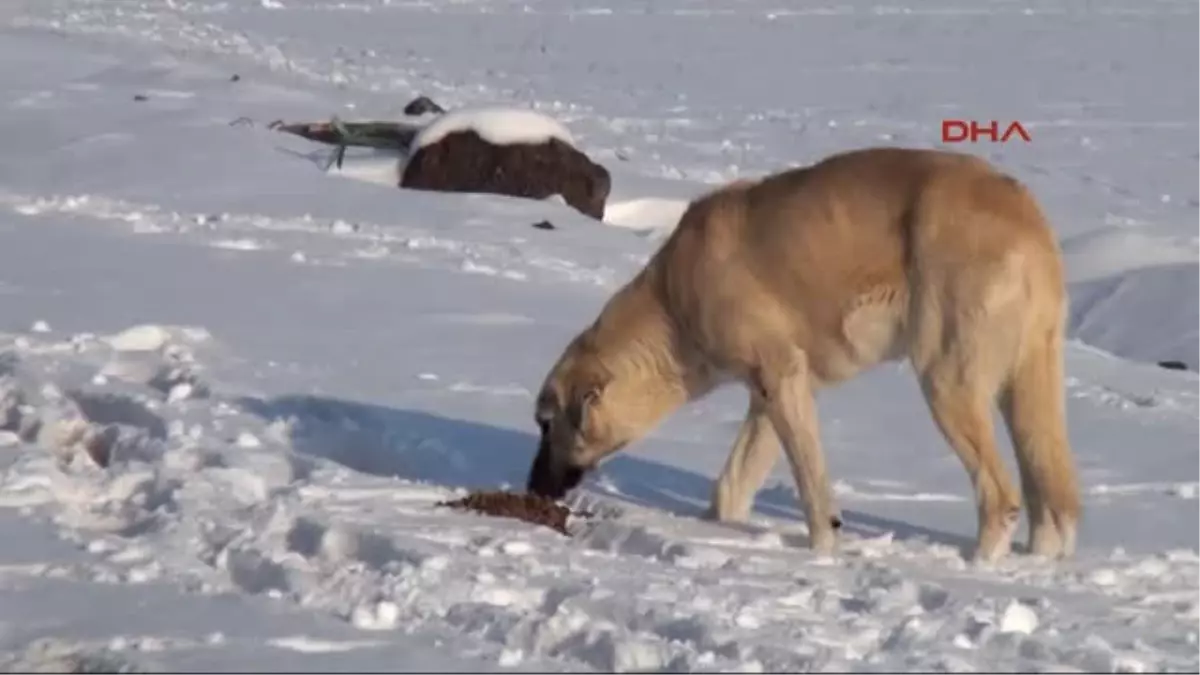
(285, 366)
(496, 125)
(1018, 618)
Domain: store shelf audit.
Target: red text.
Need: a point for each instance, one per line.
(957, 131)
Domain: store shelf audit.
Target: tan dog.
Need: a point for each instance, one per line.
(810, 276)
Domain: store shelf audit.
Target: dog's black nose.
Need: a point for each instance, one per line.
(553, 482)
(572, 477)
(544, 485)
(545, 479)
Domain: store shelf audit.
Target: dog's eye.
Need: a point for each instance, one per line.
(575, 415)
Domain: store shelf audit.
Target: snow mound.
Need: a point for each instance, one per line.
(1147, 314)
(496, 125)
(647, 213)
(1109, 251)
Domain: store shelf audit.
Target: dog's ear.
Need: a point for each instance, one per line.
(581, 404)
(544, 410)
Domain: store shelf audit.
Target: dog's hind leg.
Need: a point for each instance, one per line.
(963, 414)
(966, 325)
(965, 342)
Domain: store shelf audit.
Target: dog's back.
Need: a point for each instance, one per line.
(830, 254)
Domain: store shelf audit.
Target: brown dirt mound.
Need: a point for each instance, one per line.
(463, 161)
(522, 506)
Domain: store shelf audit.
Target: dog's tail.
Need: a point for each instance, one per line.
(1035, 412)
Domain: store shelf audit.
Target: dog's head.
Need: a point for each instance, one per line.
(593, 403)
(575, 413)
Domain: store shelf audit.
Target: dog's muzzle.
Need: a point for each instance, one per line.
(549, 477)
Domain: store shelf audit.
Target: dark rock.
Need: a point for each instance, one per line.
(544, 225)
(464, 162)
(140, 97)
(235, 78)
(1173, 365)
(421, 105)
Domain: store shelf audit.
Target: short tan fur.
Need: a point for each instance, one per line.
(808, 277)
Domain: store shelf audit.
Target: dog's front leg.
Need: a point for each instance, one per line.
(754, 454)
(785, 384)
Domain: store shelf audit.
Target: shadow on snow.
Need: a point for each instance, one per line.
(425, 447)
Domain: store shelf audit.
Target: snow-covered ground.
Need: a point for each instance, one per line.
(285, 368)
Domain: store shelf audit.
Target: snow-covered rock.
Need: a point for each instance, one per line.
(512, 152)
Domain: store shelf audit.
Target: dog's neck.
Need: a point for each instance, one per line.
(647, 342)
